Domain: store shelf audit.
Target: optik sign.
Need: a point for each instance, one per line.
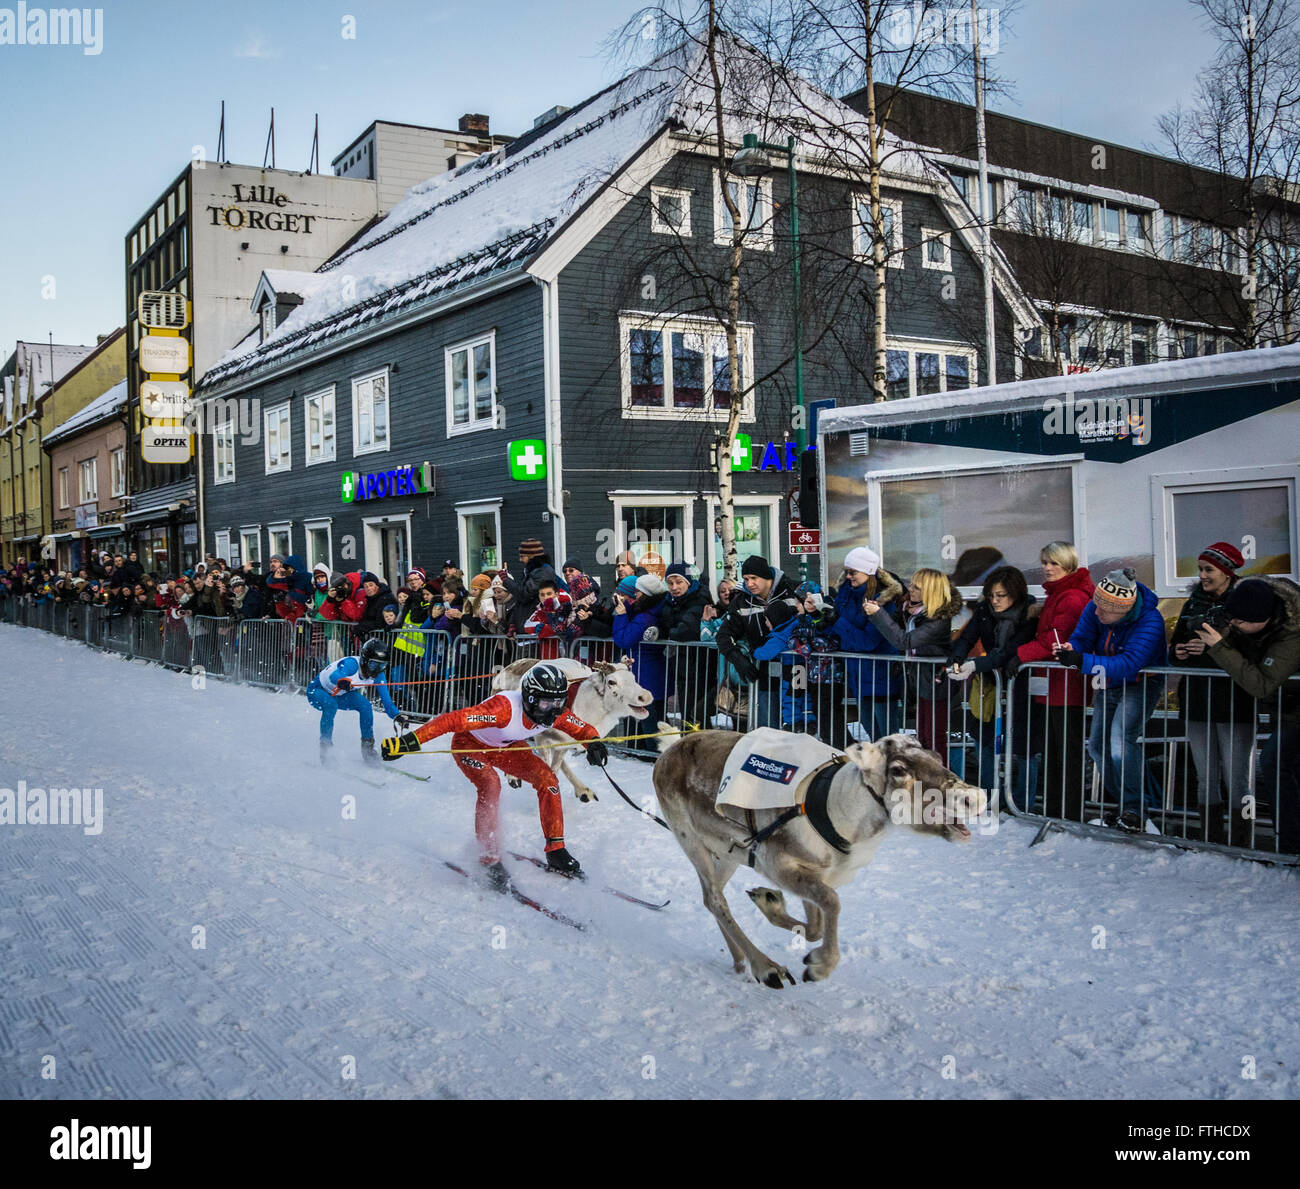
(399, 481)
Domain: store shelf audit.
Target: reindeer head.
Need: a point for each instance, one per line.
(618, 689)
(917, 788)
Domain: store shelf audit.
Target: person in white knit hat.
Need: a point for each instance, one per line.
(876, 684)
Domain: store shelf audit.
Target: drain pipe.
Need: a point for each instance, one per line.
(555, 458)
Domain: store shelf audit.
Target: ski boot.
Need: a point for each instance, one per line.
(400, 745)
(326, 752)
(497, 876)
(563, 863)
(368, 751)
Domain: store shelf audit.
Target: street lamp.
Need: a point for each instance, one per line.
(753, 161)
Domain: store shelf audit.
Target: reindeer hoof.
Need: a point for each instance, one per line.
(767, 898)
(774, 977)
(585, 796)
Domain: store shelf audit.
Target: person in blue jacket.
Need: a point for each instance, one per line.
(1121, 633)
(812, 684)
(876, 684)
(340, 686)
(636, 631)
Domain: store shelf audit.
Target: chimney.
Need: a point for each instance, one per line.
(474, 123)
(551, 115)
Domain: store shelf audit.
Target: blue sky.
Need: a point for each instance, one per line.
(90, 140)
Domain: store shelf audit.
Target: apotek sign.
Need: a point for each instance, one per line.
(408, 480)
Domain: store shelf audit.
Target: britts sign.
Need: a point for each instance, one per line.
(399, 481)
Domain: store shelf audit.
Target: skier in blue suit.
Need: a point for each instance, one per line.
(340, 685)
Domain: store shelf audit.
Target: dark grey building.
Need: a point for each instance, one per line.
(565, 290)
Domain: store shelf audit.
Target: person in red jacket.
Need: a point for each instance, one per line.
(494, 735)
(1059, 697)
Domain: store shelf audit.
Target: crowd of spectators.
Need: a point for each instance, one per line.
(771, 652)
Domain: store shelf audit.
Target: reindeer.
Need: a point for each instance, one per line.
(892, 780)
(600, 695)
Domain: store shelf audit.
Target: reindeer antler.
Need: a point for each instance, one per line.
(603, 667)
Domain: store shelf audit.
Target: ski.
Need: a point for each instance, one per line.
(410, 775)
(536, 905)
(536, 862)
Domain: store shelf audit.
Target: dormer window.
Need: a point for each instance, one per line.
(268, 319)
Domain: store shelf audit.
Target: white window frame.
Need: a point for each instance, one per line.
(310, 526)
(913, 347)
(217, 537)
(662, 499)
(875, 482)
(326, 397)
(223, 441)
(89, 492)
(894, 250)
(281, 413)
(657, 224)
(280, 526)
(253, 533)
(772, 509)
(117, 467)
(932, 235)
(757, 236)
(475, 423)
(357, 382)
(690, 324)
(463, 513)
(267, 316)
(63, 488)
(1163, 489)
(374, 561)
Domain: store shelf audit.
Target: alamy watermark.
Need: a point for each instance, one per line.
(1104, 420)
(929, 25)
(53, 807)
(53, 26)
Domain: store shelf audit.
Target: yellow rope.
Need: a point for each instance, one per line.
(460, 751)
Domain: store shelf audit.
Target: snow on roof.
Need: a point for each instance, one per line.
(1232, 369)
(102, 407)
(495, 213)
(285, 282)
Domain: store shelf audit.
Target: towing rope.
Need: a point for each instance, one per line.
(454, 751)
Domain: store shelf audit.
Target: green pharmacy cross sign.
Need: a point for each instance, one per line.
(528, 459)
(406, 480)
(742, 453)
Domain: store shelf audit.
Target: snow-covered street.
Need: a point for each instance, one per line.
(1076, 969)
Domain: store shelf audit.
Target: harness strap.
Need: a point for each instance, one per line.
(813, 807)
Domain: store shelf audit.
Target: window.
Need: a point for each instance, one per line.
(1196, 507)
(1137, 231)
(753, 197)
(370, 413)
(221, 545)
(922, 369)
(1141, 343)
(962, 183)
(223, 450)
(63, 487)
(993, 205)
(891, 229)
(1170, 246)
(480, 536)
(250, 543)
(1026, 209)
(281, 538)
(320, 544)
(118, 460)
(1030, 505)
(680, 365)
(1081, 210)
(319, 411)
(670, 211)
(1058, 216)
(753, 530)
(89, 481)
(657, 525)
(936, 249)
(1110, 225)
(276, 423)
(268, 319)
(471, 385)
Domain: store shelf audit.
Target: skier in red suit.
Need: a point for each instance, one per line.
(504, 724)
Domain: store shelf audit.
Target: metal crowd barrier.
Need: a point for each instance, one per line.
(1187, 752)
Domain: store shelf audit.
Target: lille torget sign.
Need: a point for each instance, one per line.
(255, 218)
(406, 480)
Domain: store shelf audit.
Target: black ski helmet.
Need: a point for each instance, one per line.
(545, 690)
(374, 658)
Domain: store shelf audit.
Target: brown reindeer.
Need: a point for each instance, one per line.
(893, 780)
